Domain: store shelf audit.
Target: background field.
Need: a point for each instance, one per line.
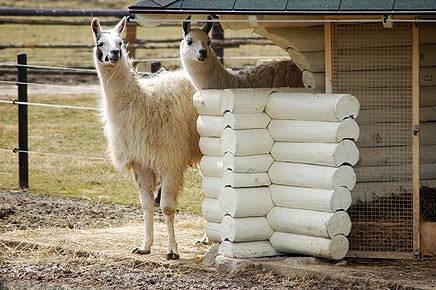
(79, 132)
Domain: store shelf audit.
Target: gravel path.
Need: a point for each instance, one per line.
(44, 268)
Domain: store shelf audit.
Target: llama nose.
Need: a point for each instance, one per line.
(115, 52)
(203, 52)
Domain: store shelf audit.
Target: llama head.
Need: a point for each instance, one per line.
(195, 45)
(108, 44)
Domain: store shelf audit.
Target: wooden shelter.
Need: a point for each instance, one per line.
(382, 52)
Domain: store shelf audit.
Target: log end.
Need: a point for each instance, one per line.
(344, 176)
(341, 199)
(347, 106)
(339, 224)
(346, 153)
(338, 247)
(348, 129)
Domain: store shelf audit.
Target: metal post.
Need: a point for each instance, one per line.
(218, 34)
(23, 159)
(155, 67)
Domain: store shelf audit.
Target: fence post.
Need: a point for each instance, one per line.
(23, 158)
(131, 38)
(218, 34)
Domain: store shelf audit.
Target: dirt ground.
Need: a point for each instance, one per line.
(48, 242)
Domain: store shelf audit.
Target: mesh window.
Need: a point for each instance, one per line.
(374, 64)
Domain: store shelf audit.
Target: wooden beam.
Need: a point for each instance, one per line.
(131, 38)
(415, 140)
(380, 255)
(428, 238)
(328, 57)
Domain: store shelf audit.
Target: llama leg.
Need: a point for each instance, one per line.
(146, 182)
(171, 186)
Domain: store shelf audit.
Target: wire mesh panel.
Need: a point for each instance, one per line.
(374, 64)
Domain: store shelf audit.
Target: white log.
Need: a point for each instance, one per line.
(245, 202)
(210, 146)
(245, 101)
(245, 229)
(210, 126)
(388, 156)
(335, 249)
(313, 176)
(329, 154)
(212, 186)
(208, 102)
(309, 222)
(246, 121)
(370, 191)
(312, 107)
(393, 173)
(211, 210)
(247, 250)
(328, 200)
(246, 142)
(212, 166)
(247, 164)
(313, 131)
(213, 232)
(237, 179)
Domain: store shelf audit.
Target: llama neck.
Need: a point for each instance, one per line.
(116, 79)
(209, 75)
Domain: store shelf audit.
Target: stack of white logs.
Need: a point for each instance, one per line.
(277, 174)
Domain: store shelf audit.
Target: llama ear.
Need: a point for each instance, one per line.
(208, 25)
(96, 28)
(121, 25)
(187, 25)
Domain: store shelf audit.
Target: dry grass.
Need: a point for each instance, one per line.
(73, 132)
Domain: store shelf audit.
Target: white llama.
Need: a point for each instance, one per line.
(150, 126)
(207, 72)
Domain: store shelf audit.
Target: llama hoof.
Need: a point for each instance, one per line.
(172, 256)
(140, 251)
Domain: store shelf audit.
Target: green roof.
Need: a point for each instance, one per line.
(285, 6)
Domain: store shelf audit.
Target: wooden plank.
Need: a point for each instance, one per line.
(394, 134)
(427, 96)
(395, 115)
(370, 191)
(427, 55)
(391, 156)
(415, 139)
(427, 32)
(362, 36)
(376, 58)
(380, 255)
(392, 173)
(428, 238)
(328, 44)
(302, 39)
(427, 76)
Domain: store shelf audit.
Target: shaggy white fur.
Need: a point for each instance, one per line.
(150, 126)
(207, 72)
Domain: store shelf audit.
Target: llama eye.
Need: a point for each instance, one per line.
(120, 43)
(189, 42)
(99, 44)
